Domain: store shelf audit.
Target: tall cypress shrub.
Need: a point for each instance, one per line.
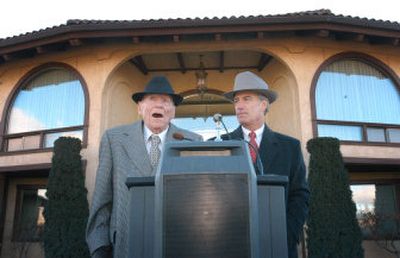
(332, 227)
(66, 211)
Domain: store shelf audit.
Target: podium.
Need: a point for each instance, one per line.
(207, 201)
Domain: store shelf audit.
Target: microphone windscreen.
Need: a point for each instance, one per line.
(178, 136)
(217, 117)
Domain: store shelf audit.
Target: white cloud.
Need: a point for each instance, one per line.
(23, 122)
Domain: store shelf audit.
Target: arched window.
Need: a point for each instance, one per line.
(48, 105)
(356, 101)
(197, 110)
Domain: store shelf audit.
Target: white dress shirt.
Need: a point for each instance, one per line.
(147, 134)
(258, 132)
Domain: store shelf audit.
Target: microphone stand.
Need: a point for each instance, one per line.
(218, 127)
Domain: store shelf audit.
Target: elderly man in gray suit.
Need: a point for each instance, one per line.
(130, 150)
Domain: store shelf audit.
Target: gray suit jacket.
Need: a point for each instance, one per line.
(122, 154)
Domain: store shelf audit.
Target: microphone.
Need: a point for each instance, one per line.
(218, 118)
(180, 137)
(259, 166)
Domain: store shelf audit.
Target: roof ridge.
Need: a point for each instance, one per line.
(325, 15)
(310, 12)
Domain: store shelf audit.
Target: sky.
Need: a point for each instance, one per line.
(22, 16)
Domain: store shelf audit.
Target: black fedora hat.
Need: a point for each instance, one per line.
(158, 85)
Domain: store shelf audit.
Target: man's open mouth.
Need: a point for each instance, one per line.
(157, 115)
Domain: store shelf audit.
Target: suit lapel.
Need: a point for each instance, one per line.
(136, 148)
(236, 135)
(133, 142)
(268, 148)
(171, 130)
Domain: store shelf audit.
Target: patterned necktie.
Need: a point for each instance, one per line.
(253, 142)
(154, 150)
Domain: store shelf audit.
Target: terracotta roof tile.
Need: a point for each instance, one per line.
(315, 16)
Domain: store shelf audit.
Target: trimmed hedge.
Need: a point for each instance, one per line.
(332, 227)
(66, 211)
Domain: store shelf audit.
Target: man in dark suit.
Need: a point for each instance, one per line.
(280, 154)
(126, 151)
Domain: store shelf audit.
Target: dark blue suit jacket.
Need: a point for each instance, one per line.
(281, 154)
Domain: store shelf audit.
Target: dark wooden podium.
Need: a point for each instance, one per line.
(206, 201)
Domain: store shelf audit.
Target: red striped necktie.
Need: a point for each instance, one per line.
(253, 142)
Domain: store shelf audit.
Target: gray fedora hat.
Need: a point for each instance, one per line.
(158, 85)
(248, 81)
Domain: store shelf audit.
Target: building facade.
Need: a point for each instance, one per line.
(336, 76)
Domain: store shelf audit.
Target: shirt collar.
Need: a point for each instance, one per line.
(258, 132)
(147, 133)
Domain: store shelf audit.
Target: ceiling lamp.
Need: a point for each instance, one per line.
(201, 76)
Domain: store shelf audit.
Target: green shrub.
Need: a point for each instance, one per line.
(66, 210)
(332, 227)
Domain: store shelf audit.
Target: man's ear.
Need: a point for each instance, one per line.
(140, 108)
(265, 105)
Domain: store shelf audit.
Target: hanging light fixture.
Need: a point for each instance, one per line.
(201, 76)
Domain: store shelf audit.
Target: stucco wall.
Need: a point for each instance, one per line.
(283, 116)
(111, 80)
